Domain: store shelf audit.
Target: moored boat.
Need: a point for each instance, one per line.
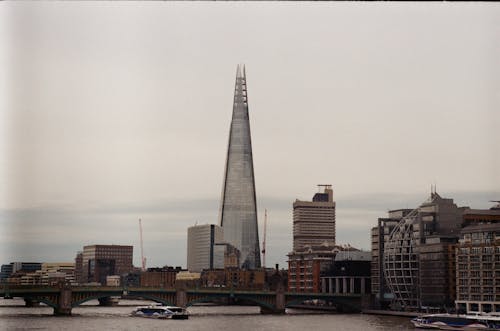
(160, 312)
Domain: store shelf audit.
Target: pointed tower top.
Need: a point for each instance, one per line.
(238, 71)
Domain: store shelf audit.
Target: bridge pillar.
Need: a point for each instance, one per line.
(63, 302)
(181, 297)
(279, 307)
(31, 303)
(108, 301)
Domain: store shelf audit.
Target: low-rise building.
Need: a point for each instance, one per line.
(305, 266)
(349, 273)
(160, 277)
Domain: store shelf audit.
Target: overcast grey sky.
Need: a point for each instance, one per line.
(111, 111)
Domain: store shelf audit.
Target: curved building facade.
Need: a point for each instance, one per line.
(412, 274)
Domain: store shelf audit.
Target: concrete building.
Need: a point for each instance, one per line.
(349, 274)
(478, 261)
(100, 261)
(379, 235)
(201, 249)
(314, 221)
(436, 217)
(238, 208)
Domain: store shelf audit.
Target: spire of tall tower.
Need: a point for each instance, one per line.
(238, 208)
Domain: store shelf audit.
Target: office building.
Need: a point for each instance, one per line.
(478, 262)
(201, 250)
(349, 274)
(379, 235)
(100, 261)
(435, 222)
(314, 221)
(307, 264)
(238, 208)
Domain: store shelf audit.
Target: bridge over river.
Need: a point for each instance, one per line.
(64, 298)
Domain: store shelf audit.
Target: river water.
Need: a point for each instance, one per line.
(14, 316)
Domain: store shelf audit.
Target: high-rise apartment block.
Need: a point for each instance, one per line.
(314, 221)
(238, 209)
(100, 261)
(202, 250)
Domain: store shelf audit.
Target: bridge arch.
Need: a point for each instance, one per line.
(101, 296)
(44, 300)
(210, 298)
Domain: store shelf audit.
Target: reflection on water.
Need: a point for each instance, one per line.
(14, 316)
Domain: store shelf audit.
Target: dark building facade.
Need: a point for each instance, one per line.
(349, 274)
(100, 261)
(238, 209)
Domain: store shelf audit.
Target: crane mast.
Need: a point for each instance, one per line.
(143, 259)
(264, 240)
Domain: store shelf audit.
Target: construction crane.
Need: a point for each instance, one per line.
(264, 240)
(143, 259)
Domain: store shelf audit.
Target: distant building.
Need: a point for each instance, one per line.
(14, 271)
(100, 261)
(436, 271)
(307, 264)
(478, 261)
(79, 268)
(405, 269)
(113, 280)
(201, 243)
(244, 279)
(238, 207)
(5, 272)
(379, 236)
(160, 277)
(314, 221)
(349, 274)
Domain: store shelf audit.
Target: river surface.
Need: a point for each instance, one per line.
(14, 316)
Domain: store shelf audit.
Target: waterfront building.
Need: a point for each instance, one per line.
(14, 271)
(478, 262)
(159, 277)
(79, 268)
(436, 217)
(349, 274)
(5, 272)
(100, 261)
(379, 235)
(238, 208)
(201, 249)
(314, 221)
(244, 279)
(436, 272)
(305, 266)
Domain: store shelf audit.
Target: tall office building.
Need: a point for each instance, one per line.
(100, 261)
(314, 221)
(238, 208)
(201, 247)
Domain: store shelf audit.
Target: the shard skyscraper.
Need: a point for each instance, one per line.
(238, 208)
